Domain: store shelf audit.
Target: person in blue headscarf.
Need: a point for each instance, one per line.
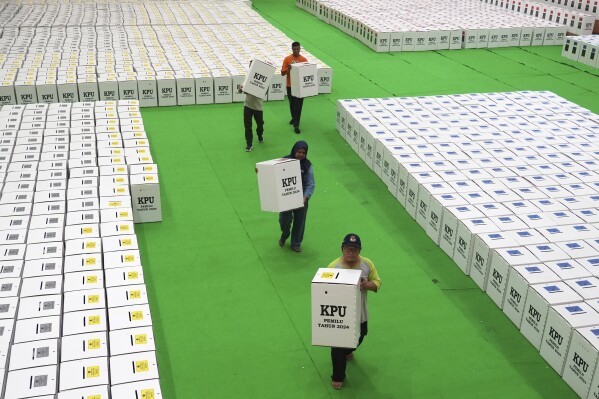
(297, 217)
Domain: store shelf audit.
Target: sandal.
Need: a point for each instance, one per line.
(350, 356)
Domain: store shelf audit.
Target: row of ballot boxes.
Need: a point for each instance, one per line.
(154, 91)
(525, 227)
(74, 315)
(108, 157)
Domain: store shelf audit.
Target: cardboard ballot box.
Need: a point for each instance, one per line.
(34, 354)
(538, 300)
(133, 367)
(126, 295)
(83, 373)
(39, 306)
(561, 321)
(85, 299)
(581, 360)
(280, 185)
(135, 390)
(37, 329)
(84, 346)
(124, 276)
(129, 317)
(304, 79)
(132, 340)
(85, 321)
(145, 198)
(336, 307)
(258, 79)
(95, 392)
(31, 382)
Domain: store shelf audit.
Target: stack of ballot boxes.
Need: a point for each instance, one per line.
(74, 313)
(506, 185)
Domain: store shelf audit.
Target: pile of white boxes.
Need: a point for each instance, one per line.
(585, 6)
(576, 20)
(584, 49)
(507, 185)
(405, 25)
(160, 53)
(74, 314)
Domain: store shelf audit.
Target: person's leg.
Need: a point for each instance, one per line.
(339, 365)
(298, 104)
(285, 220)
(259, 118)
(363, 332)
(290, 98)
(247, 123)
(299, 225)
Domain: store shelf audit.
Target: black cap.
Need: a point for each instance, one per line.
(352, 240)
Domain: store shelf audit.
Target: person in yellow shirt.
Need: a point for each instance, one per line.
(370, 281)
(295, 103)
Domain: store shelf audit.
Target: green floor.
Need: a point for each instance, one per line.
(231, 309)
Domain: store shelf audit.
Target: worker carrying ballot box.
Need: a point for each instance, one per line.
(285, 186)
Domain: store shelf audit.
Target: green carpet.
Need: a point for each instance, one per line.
(231, 309)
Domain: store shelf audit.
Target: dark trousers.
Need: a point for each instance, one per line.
(295, 107)
(297, 217)
(339, 356)
(248, 113)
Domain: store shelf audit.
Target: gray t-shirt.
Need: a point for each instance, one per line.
(253, 102)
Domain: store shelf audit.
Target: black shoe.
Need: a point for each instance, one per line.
(291, 122)
(296, 248)
(248, 148)
(260, 139)
(296, 130)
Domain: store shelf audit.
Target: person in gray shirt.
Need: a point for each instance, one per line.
(252, 108)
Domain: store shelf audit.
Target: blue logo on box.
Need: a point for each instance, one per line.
(565, 265)
(552, 289)
(574, 309)
(533, 269)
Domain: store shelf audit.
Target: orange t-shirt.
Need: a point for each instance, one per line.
(290, 59)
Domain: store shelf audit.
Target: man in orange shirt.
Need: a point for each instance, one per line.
(295, 103)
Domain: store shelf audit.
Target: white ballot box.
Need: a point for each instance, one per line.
(540, 297)
(561, 320)
(86, 299)
(129, 317)
(39, 306)
(280, 185)
(304, 81)
(336, 307)
(84, 346)
(133, 367)
(140, 339)
(581, 360)
(83, 373)
(96, 392)
(34, 354)
(126, 295)
(258, 79)
(145, 198)
(135, 390)
(31, 382)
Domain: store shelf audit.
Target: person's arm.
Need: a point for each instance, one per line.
(374, 281)
(285, 67)
(309, 189)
